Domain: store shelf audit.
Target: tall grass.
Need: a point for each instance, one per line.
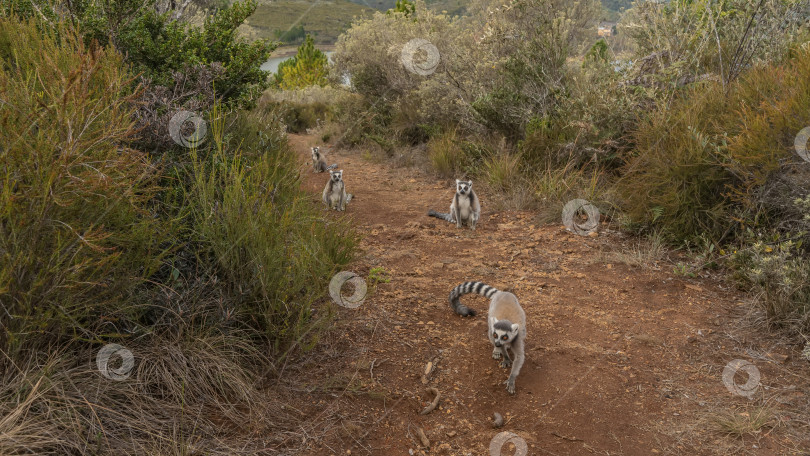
(445, 155)
(256, 228)
(502, 171)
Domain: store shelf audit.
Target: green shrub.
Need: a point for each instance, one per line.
(309, 107)
(778, 272)
(77, 228)
(702, 163)
(161, 49)
(532, 76)
(300, 117)
(687, 39)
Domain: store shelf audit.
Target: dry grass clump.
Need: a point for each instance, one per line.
(738, 423)
(184, 396)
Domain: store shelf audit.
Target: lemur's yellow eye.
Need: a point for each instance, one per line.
(504, 337)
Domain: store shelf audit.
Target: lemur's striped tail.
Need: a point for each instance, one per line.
(439, 215)
(332, 166)
(467, 288)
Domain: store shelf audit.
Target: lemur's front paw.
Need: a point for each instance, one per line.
(510, 385)
(496, 354)
(506, 363)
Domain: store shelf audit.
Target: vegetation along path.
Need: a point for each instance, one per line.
(624, 356)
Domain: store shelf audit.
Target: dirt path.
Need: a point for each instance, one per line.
(620, 360)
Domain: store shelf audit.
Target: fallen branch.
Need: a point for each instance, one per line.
(433, 404)
(371, 369)
(565, 437)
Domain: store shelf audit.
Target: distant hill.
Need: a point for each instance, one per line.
(326, 20)
(290, 20)
(453, 7)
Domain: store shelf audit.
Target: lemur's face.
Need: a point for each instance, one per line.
(504, 332)
(337, 176)
(463, 187)
(315, 153)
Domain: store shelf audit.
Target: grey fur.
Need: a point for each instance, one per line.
(334, 194)
(465, 208)
(506, 324)
(319, 161)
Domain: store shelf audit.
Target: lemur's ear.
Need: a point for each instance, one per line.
(515, 327)
(492, 321)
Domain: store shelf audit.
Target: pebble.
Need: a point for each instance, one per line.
(497, 420)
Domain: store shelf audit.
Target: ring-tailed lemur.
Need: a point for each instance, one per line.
(319, 161)
(506, 323)
(334, 194)
(465, 208)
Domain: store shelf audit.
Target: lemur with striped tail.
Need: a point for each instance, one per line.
(319, 161)
(465, 208)
(506, 323)
(334, 194)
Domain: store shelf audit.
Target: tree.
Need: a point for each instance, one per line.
(405, 7)
(309, 67)
(598, 52)
(163, 50)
